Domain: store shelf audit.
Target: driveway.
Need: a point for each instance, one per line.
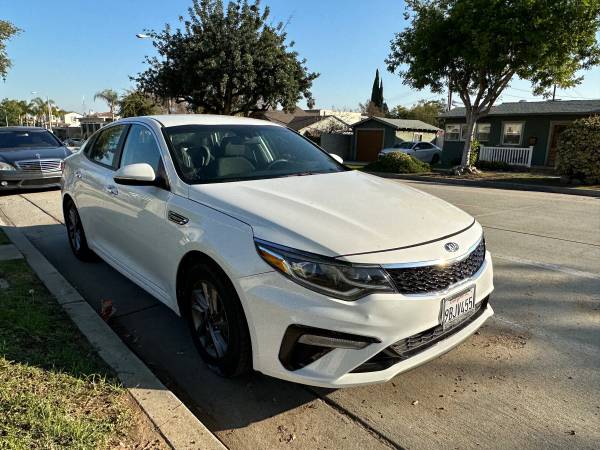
(529, 379)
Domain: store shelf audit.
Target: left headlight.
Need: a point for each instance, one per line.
(326, 275)
(6, 166)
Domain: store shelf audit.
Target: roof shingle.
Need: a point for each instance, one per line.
(535, 108)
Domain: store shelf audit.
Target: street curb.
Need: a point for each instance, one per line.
(176, 423)
(490, 184)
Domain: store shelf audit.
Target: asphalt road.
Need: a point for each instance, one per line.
(529, 379)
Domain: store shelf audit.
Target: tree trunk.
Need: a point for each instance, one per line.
(471, 121)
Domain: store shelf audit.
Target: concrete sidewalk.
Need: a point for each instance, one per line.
(178, 426)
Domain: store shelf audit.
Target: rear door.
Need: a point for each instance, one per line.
(138, 214)
(94, 176)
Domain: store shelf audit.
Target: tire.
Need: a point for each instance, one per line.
(219, 329)
(76, 234)
(435, 159)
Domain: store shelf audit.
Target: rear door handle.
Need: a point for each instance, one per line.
(112, 190)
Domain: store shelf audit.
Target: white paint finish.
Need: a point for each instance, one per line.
(515, 156)
(345, 213)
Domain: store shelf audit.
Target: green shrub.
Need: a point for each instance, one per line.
(474, 156)
(578, 150)
(494, 165)
(398, 162)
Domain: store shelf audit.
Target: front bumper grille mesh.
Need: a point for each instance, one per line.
(420, 280)
(417, 343)
(39, 165)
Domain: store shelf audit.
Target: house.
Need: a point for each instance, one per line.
(517, 125)
(95, 121)
(71, 119)
(374, 133)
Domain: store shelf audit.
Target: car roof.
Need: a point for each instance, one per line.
(16, 128)
(171, 120)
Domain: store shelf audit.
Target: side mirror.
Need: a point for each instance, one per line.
(338, 158)
(140, 174)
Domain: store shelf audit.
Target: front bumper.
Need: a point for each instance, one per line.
(273, 303)
(19, 179)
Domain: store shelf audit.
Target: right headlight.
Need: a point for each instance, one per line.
(326, 275)
(6, 166)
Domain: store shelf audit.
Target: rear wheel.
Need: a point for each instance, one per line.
(435, 159)
(216, 321)
(77, 239)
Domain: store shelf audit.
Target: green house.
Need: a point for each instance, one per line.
(513, 125)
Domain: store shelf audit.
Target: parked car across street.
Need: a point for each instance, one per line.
(423, 151)
(256, 237)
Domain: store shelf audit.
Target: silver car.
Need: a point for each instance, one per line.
(424, 151)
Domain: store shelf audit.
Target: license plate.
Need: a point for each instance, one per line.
(457, 308)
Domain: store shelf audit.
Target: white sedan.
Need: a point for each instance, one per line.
(423, 151)
(278, 257)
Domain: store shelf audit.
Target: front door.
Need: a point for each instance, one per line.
(368, 144)
(557, 129)
(138, 213)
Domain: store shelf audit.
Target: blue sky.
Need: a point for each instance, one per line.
(71, 49)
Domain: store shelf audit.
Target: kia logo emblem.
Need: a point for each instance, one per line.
(451, 247)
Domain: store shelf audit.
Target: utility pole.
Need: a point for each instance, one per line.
(554, 93)
(449, 96)
(49, 114)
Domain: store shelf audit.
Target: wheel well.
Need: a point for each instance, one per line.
(189, 260)
(66, 200)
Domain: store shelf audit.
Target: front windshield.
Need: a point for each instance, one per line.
(27, 139)
(217, 153)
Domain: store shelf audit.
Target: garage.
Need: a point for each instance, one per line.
(368, 144)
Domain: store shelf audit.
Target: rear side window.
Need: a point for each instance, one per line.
(106, 146)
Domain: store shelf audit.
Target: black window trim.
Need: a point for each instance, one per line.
(117, 151)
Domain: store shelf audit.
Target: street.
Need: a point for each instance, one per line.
(528, 379)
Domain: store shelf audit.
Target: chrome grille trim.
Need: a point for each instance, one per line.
(39, 165)
(424, 279)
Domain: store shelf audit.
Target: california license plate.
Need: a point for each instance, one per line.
(457, 308)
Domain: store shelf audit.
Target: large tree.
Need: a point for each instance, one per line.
(427, 111)
(227, 61)
(476, 47)
(7, 30)
(137, 103)
(110, 97)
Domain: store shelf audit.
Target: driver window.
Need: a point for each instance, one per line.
(141, 147)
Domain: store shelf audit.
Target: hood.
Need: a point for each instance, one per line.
(20, 154)
(335, 214)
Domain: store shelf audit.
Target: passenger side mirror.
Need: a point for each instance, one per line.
(338, 158)
(140, 174)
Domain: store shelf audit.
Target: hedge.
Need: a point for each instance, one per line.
(398, 162)
(578, 151)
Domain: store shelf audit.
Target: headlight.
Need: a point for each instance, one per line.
(326, 275)
(6, 166)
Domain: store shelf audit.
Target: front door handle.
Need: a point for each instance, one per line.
(112, 190)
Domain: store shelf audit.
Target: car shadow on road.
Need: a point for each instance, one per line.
(161, 339)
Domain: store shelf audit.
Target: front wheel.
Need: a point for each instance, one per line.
(217, 322)
(77, 239)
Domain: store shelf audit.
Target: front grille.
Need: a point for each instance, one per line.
(39, 165)
(419, 280)
(417, 343)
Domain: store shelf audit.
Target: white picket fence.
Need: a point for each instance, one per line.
(515, 156)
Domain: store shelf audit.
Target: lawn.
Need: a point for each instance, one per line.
(55, 392)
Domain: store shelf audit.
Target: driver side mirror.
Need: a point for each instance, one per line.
(141, 174)
(338, 158)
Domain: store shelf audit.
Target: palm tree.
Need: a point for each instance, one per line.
(110, 97)
(39, 109)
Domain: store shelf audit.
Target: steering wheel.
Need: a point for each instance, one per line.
(276, 162)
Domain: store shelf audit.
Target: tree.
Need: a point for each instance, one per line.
(7, 30)
(377, 91)
(427, 111)
(110, 97)
(475, 48)
(39, 108)
(13, 112)
(136, 103)
(227, 61)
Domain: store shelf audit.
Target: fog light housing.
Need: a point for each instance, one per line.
(302, 345)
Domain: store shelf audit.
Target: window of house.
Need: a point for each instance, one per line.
(483, 132)
(452, 132)
(512, 133)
